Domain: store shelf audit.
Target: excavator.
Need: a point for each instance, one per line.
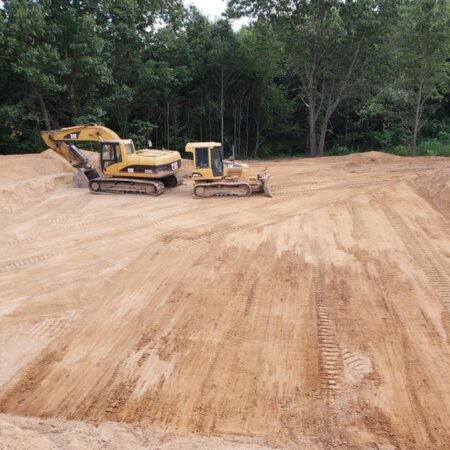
(215, 177)
(124, 169)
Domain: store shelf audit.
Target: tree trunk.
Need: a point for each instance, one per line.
(44, 111)
(323, 135)
(417, 116)
(414, 141)
(247, 126)
(222, 105)
(258, 133)
(312, 127)
(167, 124)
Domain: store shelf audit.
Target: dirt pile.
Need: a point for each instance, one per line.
(24, 167)
(437, 184)
(26, 178)
(319, 318)
(20, 433)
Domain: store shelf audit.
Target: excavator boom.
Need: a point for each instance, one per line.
(82, 133)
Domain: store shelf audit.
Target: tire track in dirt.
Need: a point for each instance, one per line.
(422, 256)
(30, 380)
(242, 327)
(78, 223)
(344, 186)
(34, 259)
(52, 326)
(357, 364)
(414, 370)
(330, 364)
(202, 238)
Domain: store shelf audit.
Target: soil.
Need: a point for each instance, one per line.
(316, 319)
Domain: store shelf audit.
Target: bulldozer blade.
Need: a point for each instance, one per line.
(266, 186)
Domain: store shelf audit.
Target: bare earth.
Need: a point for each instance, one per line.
(317, 319)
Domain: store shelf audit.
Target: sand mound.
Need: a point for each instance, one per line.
(20, 167)
(372, 157)
(24, 191)
(26, 178)
(437, 184)
(23, 433)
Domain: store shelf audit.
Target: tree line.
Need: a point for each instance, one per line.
(307, 77)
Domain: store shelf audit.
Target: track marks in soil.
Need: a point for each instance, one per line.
(324, 185)
(422, 256)
(30, 381)
(203, 237)
(35, 259)
(110, 399)
(52, 326)
(330, 364)
(356, 365)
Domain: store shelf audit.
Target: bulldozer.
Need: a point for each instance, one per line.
(123, 168)
(215, 177)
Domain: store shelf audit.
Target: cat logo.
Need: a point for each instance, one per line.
(72, 136)
(174, 165)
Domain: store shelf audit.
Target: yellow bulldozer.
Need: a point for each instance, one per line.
(124, 169)
(213, 176)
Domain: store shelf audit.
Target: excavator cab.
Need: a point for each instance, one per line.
(109, 154)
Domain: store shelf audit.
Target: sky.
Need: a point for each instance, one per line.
(214, 9)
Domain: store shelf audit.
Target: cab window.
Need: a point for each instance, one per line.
(201, 158)
(129, 147)
(217, 161)
(110, 155)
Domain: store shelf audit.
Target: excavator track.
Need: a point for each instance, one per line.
(126, 186)
(222, 189)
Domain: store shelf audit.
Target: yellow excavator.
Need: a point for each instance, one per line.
(124, 169)
(213, 176)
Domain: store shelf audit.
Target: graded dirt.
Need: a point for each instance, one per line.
(316, 319)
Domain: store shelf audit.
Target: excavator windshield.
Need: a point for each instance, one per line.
(129, 147)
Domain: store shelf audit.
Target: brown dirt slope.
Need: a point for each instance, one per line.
(319, 318)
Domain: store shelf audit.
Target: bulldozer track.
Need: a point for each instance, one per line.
(423, 257)
(330, 365)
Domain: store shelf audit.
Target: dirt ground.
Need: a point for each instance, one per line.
(317, 319)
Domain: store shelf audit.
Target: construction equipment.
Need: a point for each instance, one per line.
(215, 177)
(124, 169)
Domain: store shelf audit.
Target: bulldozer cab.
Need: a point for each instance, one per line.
(208, 160)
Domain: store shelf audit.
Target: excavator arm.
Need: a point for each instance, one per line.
(61, 142)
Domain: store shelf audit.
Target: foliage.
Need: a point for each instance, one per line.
(310, 76)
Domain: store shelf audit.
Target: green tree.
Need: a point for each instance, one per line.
(420, 52)
(329, 42)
